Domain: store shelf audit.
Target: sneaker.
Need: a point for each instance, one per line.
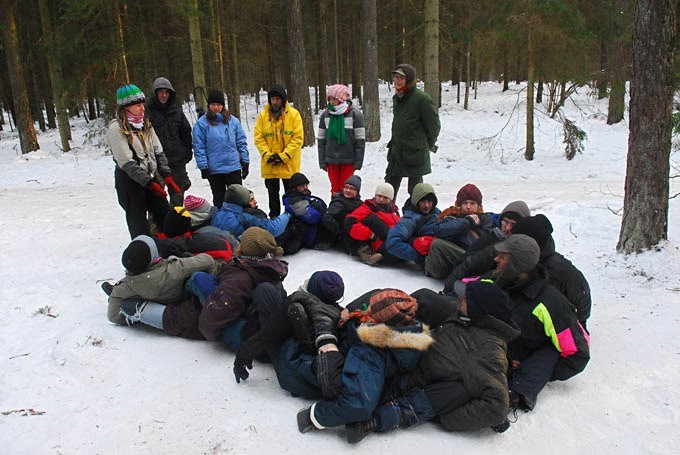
(367, 256)
(132, 310)
(304, 420)
(107, 288)
(358, 430)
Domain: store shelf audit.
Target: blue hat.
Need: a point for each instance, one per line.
(326, 285)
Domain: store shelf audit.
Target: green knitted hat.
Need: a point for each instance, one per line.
(129, 94)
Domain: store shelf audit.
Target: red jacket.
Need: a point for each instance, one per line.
(371, 230)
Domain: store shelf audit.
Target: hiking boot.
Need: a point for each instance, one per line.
(358, 430)
(367, 256)
(304, 420)
(107, 288)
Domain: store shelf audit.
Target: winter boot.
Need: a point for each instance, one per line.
(304, 420)
(302, 327)
(107, 288)
(367, 256)
(358, 430)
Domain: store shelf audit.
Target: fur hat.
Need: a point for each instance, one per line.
(129, 94)
(524, 254)
(422, 190)
(177, 222)
(238, 195)
(194, 203)
(515, 210)
(538, 227)
(216, 97)
(406, 70)
(468, 192)
(392, 307)
(355, 181)
(277, 90)
(140, 254)
(484, 297)
(297, 179)
(257, 242)
(326, 285)
(385, 189)
(339, 92)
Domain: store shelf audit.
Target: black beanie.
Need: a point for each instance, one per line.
(297, 179)
(140, 254)
(277, 90)
(355, 181)
(177, 222)
(216, 96)
(484, 297)
(538, 227)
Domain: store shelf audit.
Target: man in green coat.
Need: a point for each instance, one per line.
(415, 128)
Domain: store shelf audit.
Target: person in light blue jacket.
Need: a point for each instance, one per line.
(220, 147)
(232, 217)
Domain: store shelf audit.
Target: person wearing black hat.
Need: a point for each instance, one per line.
(415, 128)
(341, 205)
(279, 136)
(305, 228)
(220, 147)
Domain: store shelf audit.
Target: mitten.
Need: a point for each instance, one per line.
(378, 226)
(172, 186)
(205, 173)
(473, 219)
(240, 371)
(244, 170)
(422, 244)
(329, 367)
(156, 189)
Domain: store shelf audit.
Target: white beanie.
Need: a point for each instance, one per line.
(385, 189)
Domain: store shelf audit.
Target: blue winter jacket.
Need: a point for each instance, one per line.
(232, 218)
(220, 148)
(400, 237)
(460, 231)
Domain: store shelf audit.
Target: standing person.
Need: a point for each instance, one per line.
(174, 132)
(415, 128)
(221, 147)
(278, 137)
(342, 137)
(140, 160)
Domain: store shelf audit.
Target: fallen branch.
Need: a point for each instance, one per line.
(24, 412)
(19, 355)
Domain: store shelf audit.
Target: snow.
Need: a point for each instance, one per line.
(109, 389)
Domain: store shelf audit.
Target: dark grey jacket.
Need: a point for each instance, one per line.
(352, 151)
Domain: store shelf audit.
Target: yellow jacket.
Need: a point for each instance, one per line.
(283, 136)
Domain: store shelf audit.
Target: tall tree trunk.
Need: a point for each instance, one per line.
(539, 90)
(468, 58)
(121, 38)
(236, 84)
(355, 65)
(55, 75)
(617, 93)
(22, 110)
(529, 150)
(398, 33)
(506, 68)
(196, 54)
(321, 53)
(645, 206)
(36, 100)
(298, 74)
(219, 51)
(602, 76)
(369, 41)
(431, 70)
(336, 43)
(269, 48)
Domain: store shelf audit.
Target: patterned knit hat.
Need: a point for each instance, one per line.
(468, 192)
(192, 203)
(140, 254)
(177, 222)
(257, 242)
(326, 285)
(339, 92)
(392, 307)
(129, 94)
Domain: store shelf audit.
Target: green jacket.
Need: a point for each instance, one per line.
(415, 128)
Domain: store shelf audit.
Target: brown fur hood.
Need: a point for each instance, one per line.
(384, 336)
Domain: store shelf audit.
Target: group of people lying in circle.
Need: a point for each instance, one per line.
(511, 316)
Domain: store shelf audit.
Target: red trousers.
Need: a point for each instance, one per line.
(337, 174)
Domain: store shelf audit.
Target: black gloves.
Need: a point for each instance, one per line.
(205, 173)
(329, 367)
(275, 159)
(375, 224)
(244, 170)
(240, 371)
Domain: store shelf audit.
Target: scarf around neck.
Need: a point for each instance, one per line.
(336, 123)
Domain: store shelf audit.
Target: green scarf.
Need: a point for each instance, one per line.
(336, 126)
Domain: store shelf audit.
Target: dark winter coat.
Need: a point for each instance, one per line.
(546, 317)
(370, 222)
(306, 211)
(237, 280)
(338, 209)
(415, 129)
(411, 226)
(170, 124)
(352, 151)
(462, 231)
(474, 354)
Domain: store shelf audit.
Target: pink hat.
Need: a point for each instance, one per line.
(339, 92)
(193, 202)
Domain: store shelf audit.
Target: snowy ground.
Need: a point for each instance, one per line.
(117, 390)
